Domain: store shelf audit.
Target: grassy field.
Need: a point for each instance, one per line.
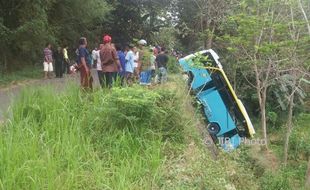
(126, 138)
(16, 76)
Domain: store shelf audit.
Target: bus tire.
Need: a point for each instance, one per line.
(213, 128)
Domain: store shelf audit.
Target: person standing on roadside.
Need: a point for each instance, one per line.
(58, 55)
(146, 63)
(140, 56)
(48, 61)
(136, 65)
(122, 60)
(109, 62)
(161, 62)
(84, 65)
(66, 65)
(153, 64)
(130, 65)
(94, 58)
(98, 66)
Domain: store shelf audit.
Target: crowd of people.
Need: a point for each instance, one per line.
(125, 65)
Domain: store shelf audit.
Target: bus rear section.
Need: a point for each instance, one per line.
(227, 118)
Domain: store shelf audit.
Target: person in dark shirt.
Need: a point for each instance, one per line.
(161, 63)
(84, 65)
(122, 60)
(58, 56)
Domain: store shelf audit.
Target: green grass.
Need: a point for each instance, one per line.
(291, 176)
(20, 75)
(126, 138)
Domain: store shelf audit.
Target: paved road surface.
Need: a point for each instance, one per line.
(9, 94)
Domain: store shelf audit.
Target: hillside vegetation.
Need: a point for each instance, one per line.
(126, 138)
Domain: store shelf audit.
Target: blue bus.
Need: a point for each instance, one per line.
(228, 121)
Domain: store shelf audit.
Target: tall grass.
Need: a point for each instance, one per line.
(26, 73)
(126, 138)
(75, 140)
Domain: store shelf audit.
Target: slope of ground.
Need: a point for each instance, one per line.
(126, 138)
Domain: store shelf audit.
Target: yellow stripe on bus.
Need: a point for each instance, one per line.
(239, 103)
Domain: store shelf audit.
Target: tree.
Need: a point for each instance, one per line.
(295, 71)
(166, 37)
(200, 21)
(137, 19)
(71, 19)
(26, 26)
(24, 29)
(255, 40)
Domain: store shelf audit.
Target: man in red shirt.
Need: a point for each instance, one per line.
(109, 62)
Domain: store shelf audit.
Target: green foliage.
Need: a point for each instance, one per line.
(166, 37)
(26, 26)
(299, 147)
(275, 181)
(13, 77)
(173, 66)
(137, 19)
(124, 138)
(199, 61)
(272, 117)
(76, 140)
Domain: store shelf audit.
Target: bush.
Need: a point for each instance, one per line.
(275, 181)
(299, 147)
(173, 65)
(123, 138)
(100, 140)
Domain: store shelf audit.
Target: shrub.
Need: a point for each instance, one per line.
(101, 140)
(275, 181)
(299, 147)
(173, 66)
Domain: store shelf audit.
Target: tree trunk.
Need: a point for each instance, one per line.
(210, 38)
(289, 128)
(261, 93)
(305, 15)
(307, 185)
(263, 120)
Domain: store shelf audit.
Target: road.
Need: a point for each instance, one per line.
(10, 93)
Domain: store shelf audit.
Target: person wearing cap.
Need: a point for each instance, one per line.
(84, 65)
(109, 62)
(139, 54)
(145, 60)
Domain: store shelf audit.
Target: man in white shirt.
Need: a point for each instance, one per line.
(98, 65)
(93, 55)
(130, 64)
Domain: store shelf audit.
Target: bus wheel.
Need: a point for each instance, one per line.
(213, 128)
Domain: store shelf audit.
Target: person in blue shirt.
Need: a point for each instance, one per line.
(122, 60)
(130, 64)
(84, 65)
